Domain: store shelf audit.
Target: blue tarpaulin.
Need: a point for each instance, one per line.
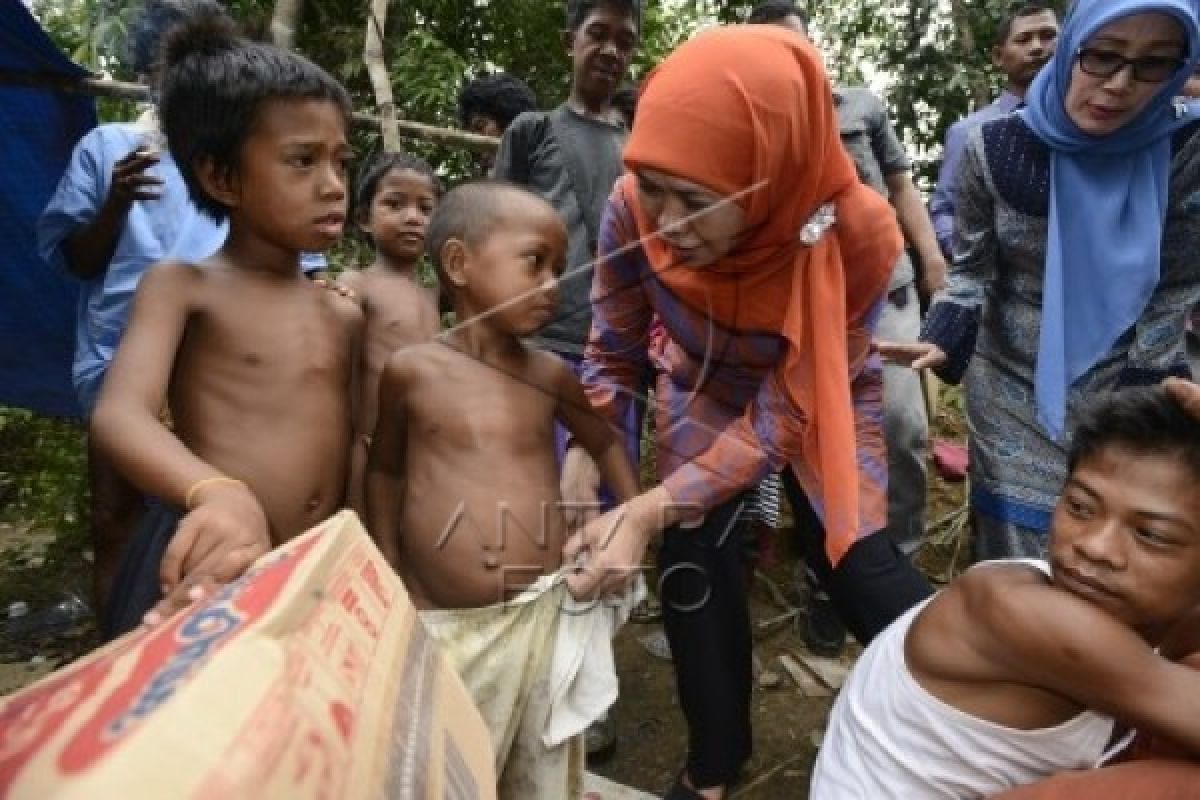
(38, 130)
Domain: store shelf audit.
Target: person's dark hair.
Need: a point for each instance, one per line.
(155, 18)
(501, 96)
(215, 82)
(380, 165)
(1144, 420)
(625, 100)
(578, 11)
(469, 212)
(1004, 29)
(773, 11)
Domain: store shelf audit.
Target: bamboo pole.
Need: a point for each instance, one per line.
(123, 90)
(283, 22)
(381, 82)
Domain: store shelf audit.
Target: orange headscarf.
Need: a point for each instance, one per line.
(749, 106)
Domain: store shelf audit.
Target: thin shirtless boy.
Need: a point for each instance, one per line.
(392, 203)
(254, 361)
(462, 481)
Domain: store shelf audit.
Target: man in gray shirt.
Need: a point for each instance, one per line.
(571, 156)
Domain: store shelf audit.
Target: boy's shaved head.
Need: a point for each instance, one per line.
(1142, 420)
(470, 213)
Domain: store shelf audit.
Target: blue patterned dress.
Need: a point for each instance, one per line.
(988, 321)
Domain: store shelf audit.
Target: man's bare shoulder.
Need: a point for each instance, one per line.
(1017, 608)
(971, 629)
(996, 588)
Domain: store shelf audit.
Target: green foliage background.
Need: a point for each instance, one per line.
(928, 56)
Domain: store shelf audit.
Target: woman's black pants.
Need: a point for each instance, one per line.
(703, 596)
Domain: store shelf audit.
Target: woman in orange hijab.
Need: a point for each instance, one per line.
(741, 225)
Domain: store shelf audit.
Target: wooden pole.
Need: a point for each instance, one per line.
(123, 90)
(283, 22)
(377, 71)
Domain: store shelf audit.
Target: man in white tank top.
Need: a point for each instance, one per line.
(1018, 668)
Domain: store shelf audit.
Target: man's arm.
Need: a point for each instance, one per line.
(512, 157)
(918, 230)
(1037, 635)
(914, 222)
(386, 460)
(943, 203)
(89, 249)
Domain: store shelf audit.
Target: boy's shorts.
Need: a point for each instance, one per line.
(137, 588)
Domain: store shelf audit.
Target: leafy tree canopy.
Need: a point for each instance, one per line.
(930, 58)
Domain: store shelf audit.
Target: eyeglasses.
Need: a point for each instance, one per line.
(1147, 69)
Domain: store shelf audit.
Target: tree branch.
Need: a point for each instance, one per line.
(101, 87)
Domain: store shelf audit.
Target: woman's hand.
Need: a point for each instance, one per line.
(580, 488)
(614, 544)
(918, 355)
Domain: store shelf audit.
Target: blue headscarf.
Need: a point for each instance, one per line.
(1108, 202)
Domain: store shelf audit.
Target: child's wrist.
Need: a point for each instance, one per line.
(204, 487)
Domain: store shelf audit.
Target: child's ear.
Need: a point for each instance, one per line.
(454, 261)
(568, 40)
(218, 183)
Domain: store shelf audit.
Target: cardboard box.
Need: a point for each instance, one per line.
(310, 677)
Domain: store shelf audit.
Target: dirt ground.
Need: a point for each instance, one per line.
(652, 738)
(650, 730)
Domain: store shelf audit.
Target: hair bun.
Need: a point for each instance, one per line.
(208, 32)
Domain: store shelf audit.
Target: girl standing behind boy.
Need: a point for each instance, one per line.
(394, 199)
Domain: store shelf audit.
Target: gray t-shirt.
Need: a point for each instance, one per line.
(870, 139)
(530, 155)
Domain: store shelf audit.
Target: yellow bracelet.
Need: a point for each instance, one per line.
(200, 484)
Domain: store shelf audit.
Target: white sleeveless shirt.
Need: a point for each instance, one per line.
(890, 738)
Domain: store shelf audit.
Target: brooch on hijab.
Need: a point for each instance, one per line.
(821, 221)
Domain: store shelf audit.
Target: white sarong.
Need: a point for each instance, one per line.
(540, 669)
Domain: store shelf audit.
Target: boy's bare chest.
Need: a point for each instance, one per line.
(498, 411)
(273, 338)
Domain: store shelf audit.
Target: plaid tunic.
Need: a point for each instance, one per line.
(723, 420)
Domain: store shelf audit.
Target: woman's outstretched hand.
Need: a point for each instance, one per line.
(918, 355)
(611, 547)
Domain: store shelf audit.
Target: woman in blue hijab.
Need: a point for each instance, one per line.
(1075, 259)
